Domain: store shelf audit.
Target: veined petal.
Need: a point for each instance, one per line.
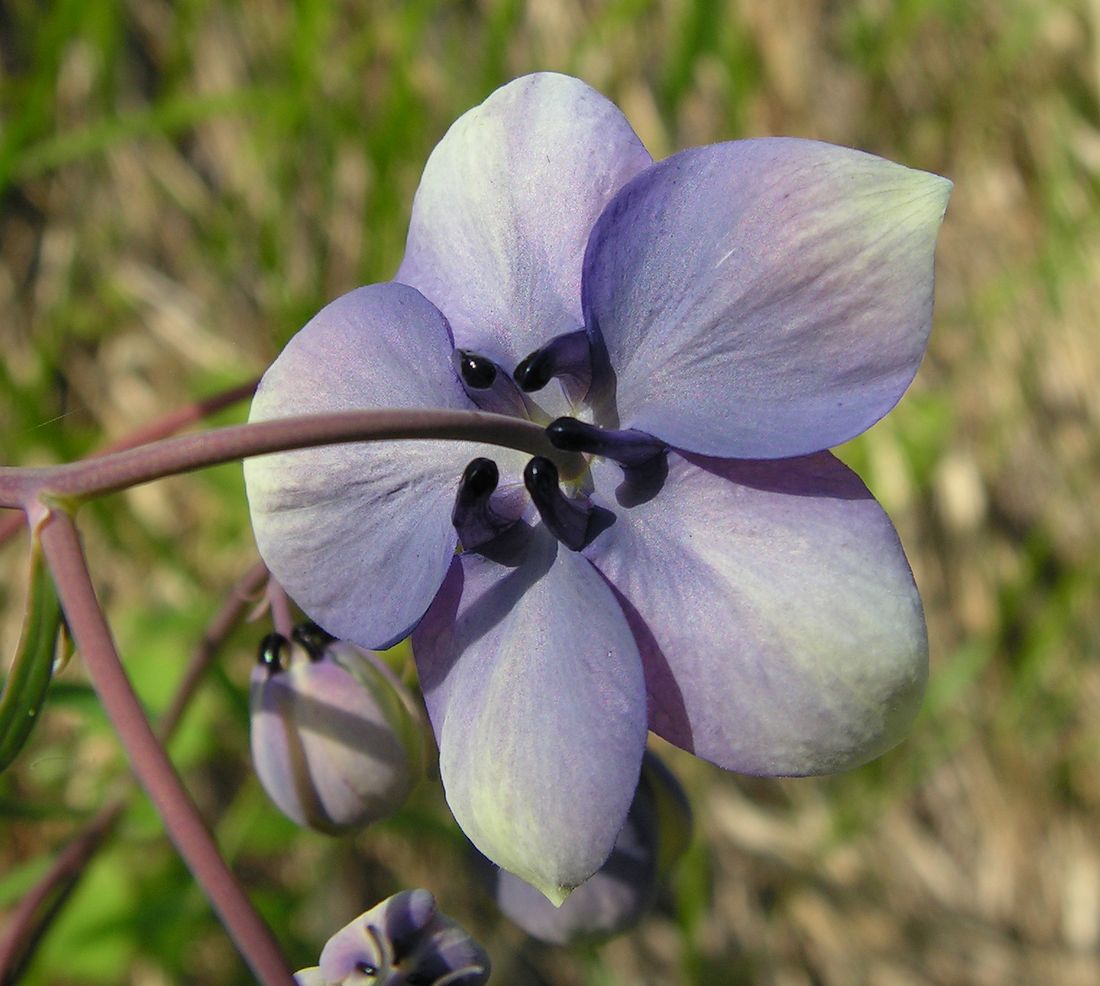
(535, 691)
(504, 209)
(776, 614)
(360, 535)
(763, 298)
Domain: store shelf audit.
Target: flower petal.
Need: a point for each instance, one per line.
(776, 614)
(763, 298)
(504, 209)
(360, 535)
(621, 891)
(535, 691)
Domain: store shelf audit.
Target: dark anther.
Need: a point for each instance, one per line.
(271, 652)
(533, 372)
(566, 356)
(312, 638)
(488, 388)
(366, 969)
(473, 515)
(628, 448)
(566, 519)
(477, 371)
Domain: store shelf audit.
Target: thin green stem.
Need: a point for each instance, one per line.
(150, 762)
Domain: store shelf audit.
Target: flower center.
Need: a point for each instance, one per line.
(481, 514)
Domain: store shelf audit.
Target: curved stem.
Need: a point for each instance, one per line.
(29, 921)
(109, 473)
(172, 422)
(150, 763)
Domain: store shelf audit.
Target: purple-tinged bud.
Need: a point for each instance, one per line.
(335, 745)
(403, 941)
(612, 901)
(310, 977)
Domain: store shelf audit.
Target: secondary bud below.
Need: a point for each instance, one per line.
(333, 742)
(403, 941)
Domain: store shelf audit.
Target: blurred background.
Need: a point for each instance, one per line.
(182, 185)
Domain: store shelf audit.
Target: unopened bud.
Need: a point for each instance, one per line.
(403, 941)
(333, 742)
(616, 897)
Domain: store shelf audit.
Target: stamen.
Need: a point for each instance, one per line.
(629, 448)
(566, 356)
(476, 371)
(473, 515)
(489, 389)
(566, 519)
(312, 638)
(271, 652)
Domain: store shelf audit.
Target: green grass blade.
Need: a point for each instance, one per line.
(31, 668)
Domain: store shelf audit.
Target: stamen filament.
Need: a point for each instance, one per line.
(473, 515)
(628, 448)
(566, 519)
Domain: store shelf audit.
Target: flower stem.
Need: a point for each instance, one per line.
(83, 480)
(29, 921)
(172, 422)
(181, 819)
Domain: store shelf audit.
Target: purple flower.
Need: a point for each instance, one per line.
(700, 329)
(403, 941)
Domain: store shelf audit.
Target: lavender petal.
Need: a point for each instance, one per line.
(775, 611)
(504, 209)
(762, 298)
(342, 526)
(535, 691)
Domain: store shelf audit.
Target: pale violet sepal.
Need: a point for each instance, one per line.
(762, 298)
(534, 688)
(774, 609)
(360, 535)
(502, 215)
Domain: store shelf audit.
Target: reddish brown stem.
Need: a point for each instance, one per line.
(65, 556)
(36, 910)
(79, 481)
(172, 422)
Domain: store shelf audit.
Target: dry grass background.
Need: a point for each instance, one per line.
(182, 185)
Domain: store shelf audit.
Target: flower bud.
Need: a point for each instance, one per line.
(310, 977)
(403, 941)
(334, 743)
(615, 898)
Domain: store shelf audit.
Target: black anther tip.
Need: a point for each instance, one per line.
(479, 479)
(533, 372)
(310, 636)
(570, 435)
(271, 650)
(477, 371)
(540, 476)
